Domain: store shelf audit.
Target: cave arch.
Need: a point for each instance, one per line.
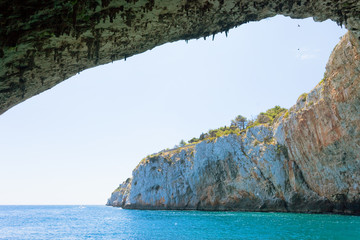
(45, 43)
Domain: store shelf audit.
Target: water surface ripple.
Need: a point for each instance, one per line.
(100, 222)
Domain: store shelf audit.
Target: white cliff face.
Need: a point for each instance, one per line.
(245, 172)
(120, 196)
(308, 161)
(162, 180)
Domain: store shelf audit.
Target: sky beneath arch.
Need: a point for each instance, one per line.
(75, 143)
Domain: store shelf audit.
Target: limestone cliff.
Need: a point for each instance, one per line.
(307, 161)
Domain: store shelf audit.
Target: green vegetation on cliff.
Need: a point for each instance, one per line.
(268, 117)
(240, 124)
(302, 97)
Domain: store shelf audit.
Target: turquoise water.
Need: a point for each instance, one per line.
(100, 222)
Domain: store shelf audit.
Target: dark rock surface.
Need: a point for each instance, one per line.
(45, 42)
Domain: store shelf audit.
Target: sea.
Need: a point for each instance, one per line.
(101, 222)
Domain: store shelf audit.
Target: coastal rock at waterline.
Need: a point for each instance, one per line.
(307, 161)
(322, 132)
(233, 172)
(119, 196)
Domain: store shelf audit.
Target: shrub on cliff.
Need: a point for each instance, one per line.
(238, 126)
(182, 143)
(275, 112)
(270, 116)
(302, 97)
(194, 140)
(263, 118)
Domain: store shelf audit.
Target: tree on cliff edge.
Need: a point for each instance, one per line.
(182, 143)
(240, 122)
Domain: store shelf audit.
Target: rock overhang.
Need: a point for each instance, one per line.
(43, 43)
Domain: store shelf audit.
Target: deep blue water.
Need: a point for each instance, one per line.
(100, 222)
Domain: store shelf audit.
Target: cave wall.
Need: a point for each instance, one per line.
(43, 43)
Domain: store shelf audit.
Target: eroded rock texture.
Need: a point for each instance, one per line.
(45, 42)
(323, 130)
(308, 161)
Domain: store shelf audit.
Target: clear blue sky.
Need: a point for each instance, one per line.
(75, 143)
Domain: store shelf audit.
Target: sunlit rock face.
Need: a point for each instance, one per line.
(45, 42)
(232, 173)
(119, 196)
(307, 161)
(322, 132)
